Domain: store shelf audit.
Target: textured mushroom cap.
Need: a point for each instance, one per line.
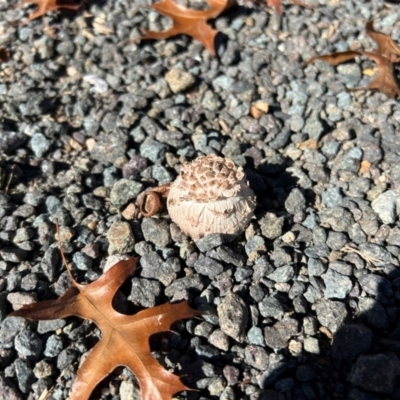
(211, 195)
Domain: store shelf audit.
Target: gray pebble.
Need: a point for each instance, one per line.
(336, 285)
(120, 238)
(350, 341)
(282, 274)
(278, 335)
(207, 266)
(271, 225)
(28, 344)
(330, 313)
(123, 191)
(233, 316)
(156, 231)
(39, 144)
(376, 372)
(387, 206)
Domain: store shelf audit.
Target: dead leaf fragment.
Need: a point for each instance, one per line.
(125, 338)
(190, 22)
(387, 53)
(47, 5)
(335, 58)
(386, 46)
(258, 109)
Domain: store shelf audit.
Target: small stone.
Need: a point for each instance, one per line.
(9, 328)
(336, 285)
(350, 341)
(330, 314)
(256, 357)
(254, 246)
(376, 285)
(179, 80)
(373, 312)
(311, 345)
(125, 190)
(144, 292)
(109, 147)
(128, 391)
(209, 242)
(156, 231)
(39, 144)
(278, 335)
(271, 307)
(376, 372)
(24, 374)
(10, 141)
(207, 266)
(315, 267)
(295, 202)
(270, 375)
(233, 316)
(43, 369)
(387, 206)
(219, 339)
(28, 344)
(282, 274)
(271, 225)
(53, 347)
(336, 218)
(255, 336)
(121, 239)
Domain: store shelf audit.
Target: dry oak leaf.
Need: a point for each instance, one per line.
(190, 22)
(384, 80)
(386, 46)
(125, 338)
(47, 5)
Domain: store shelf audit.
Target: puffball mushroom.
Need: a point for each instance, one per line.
(211, 195)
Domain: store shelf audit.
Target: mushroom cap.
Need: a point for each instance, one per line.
(211, 195)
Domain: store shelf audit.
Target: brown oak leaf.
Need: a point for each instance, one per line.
(386, 46)
(47, 5)
(387, 54)
(190, 22)
(125, 338)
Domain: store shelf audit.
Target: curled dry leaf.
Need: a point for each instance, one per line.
(387, 53)
(190, 22)
(47, 5)
(125, 338)
(386, 46)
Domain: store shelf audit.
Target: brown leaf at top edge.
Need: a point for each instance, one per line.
(385, 80)
(46, 5)
(386, 46)
(190, 22)
(335, 58)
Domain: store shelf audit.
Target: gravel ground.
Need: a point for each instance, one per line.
(305, 303)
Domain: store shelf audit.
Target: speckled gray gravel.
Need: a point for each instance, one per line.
(305, 303)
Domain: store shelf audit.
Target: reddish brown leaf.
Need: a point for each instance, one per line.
(386, 46)
(384, 81)
(47, 5)
(277, 4)
(190, 22)
(125, 338)
(335, 58)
